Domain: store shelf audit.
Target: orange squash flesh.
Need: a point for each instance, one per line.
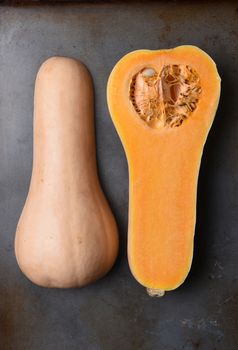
(163, 166)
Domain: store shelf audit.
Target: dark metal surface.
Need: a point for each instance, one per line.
(115, 313)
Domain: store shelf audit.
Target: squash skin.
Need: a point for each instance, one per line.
(163, 168)
(66, 236)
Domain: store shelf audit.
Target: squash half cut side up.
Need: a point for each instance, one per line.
(163, 104)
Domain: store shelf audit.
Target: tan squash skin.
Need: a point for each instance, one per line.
(66, 235)
(163, 164)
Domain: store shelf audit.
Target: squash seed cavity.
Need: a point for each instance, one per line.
(165, 99)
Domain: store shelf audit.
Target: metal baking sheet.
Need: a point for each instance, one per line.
(115, 313)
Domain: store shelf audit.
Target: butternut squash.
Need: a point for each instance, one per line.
(66, 235)
(163, 104)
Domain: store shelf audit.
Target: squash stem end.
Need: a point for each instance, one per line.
(155, 292)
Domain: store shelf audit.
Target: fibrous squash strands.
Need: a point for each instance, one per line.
(165, 99)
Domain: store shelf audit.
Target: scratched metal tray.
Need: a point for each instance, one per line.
(115, 313)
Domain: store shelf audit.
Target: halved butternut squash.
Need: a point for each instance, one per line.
(163, 104)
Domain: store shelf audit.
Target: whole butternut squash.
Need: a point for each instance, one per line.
(163, 104)
(66, 235)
